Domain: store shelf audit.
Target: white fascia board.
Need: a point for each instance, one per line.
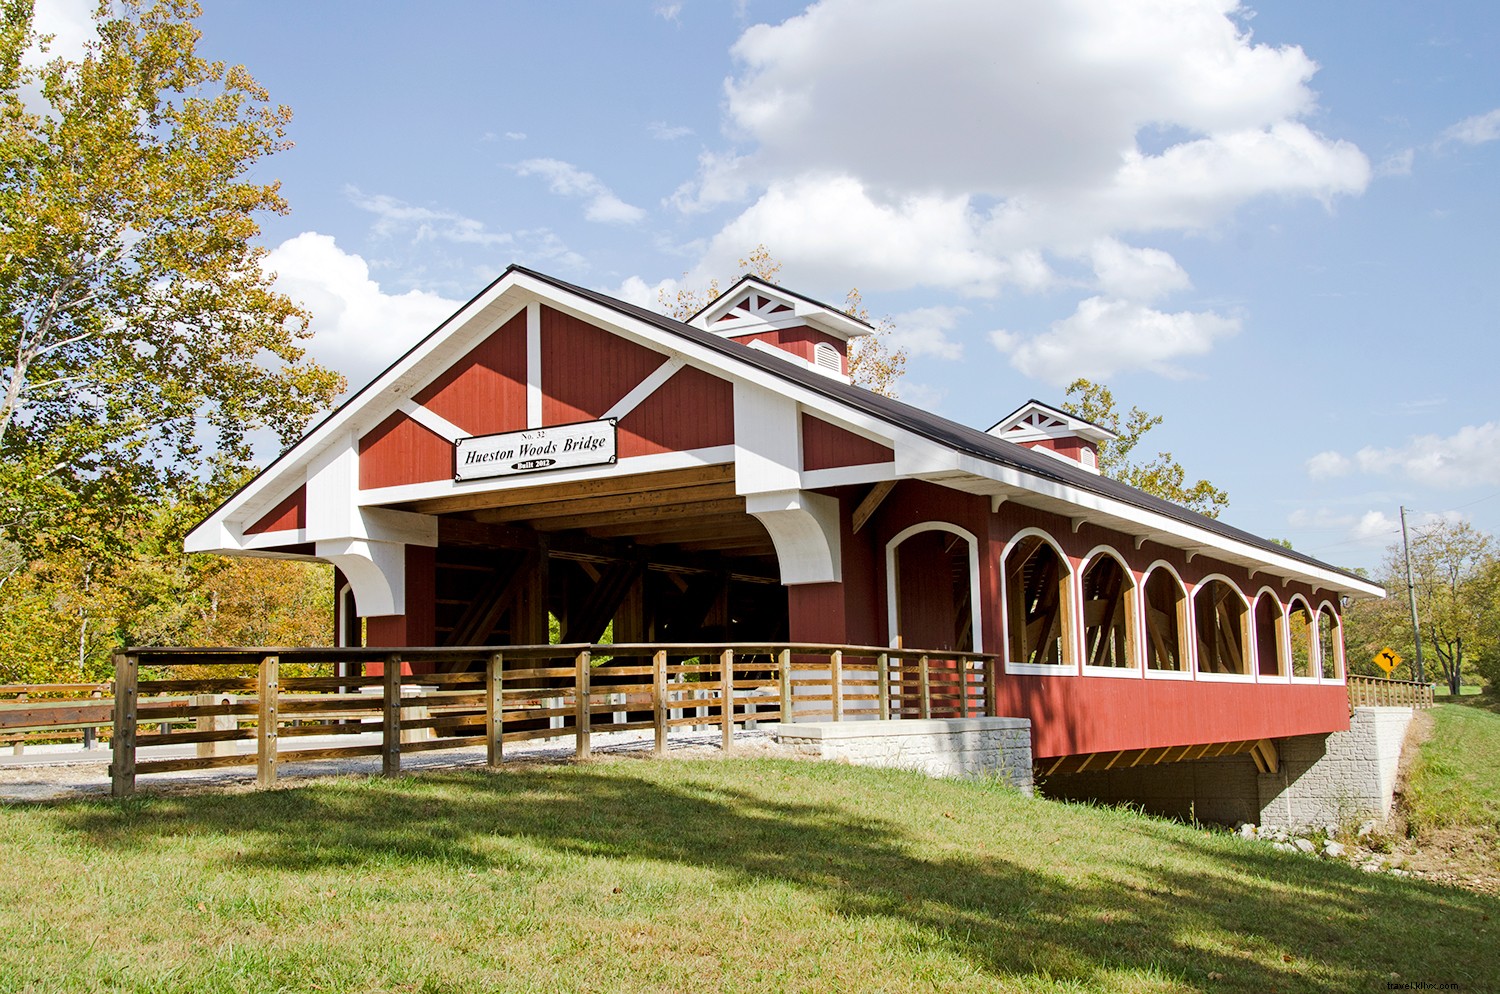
(374, 403)
(1163, 527)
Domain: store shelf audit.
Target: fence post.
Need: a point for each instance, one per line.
(494, 710)
(659, 699)
(784, 663)
(91, 734)
(581, 702)
(991, 688)
(836, 682)
(390, 726)
(883, 684)
(726, 697)
(122, 741)
(962, 665)
(266, 721)
(924, 686)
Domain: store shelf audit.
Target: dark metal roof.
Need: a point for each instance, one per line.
(960, 438)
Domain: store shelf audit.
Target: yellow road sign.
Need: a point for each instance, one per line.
(1387, 659)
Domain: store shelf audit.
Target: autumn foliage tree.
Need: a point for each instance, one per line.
(141, 340)
(874, 362)
(1162, 476)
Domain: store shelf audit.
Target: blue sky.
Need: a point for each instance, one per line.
(1275, 225)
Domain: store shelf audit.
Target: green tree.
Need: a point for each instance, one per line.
(1163, 476)
(141, 339)
(1456, 569)
(874, 362)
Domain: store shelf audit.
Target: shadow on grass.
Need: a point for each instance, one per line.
(1017, 888)
(1481, 702)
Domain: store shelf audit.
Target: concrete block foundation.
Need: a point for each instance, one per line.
(940, 747)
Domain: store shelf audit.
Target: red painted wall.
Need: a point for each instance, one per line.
(417, 627)
(800, 341)
(825, 446)
(485, 392)
(289, 514)
(692, 410)
(1071, 715)
(401, 451)
(585, 370)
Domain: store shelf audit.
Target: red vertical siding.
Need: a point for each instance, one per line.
(417, 627)
(825, 446)
(692, 410)
(586, 369)
(290, 513)
(801, 342)
(485, 391)
(400, 451)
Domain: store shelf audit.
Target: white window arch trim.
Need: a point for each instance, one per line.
(1187, 641)
(1074, 596)
(1247, 634)
(892, 580)
(1339, 656)
(1137, 668)
(1313, 666)
(1283, 637)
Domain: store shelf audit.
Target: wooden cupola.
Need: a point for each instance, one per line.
(777, 321)
(1041, 426)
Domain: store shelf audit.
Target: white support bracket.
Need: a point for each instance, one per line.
(804, 527)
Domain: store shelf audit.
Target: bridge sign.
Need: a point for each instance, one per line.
(1387, 659)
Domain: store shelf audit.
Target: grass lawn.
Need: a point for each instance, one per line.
(734, 875)
(1455, 781)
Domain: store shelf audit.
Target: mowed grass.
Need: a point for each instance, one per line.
(676, 875)
(1455, 781)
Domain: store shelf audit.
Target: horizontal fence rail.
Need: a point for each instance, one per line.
(386, 703)
(1370, 691)
(50, 712)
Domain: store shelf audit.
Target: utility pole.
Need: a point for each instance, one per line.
(1411, 596)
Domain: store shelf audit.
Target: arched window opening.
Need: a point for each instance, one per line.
(1036, 596)
(1328, 643)
(1303, 636)
(1166, 617)
(934, 592)
(1220, 619)
(1269, 631)
(1108, 621)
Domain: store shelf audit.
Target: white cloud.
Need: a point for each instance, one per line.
(567, 180)
(71, 24)
(1468, 457)
(395, 216)
(969, 145)
(1136, 273)
(358, 329)
(924, 331)
(1326, 465)
(515, 136)
(668, 11)
(1476, 130)
(664, 132)
(1107, 336)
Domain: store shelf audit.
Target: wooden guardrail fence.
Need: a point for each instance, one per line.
(1370, 691)
(38, 711)
(499, 695)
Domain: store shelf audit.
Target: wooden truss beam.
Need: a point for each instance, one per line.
(606, 487)
(603, 505)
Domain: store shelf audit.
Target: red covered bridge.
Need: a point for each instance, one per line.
(551, 463)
